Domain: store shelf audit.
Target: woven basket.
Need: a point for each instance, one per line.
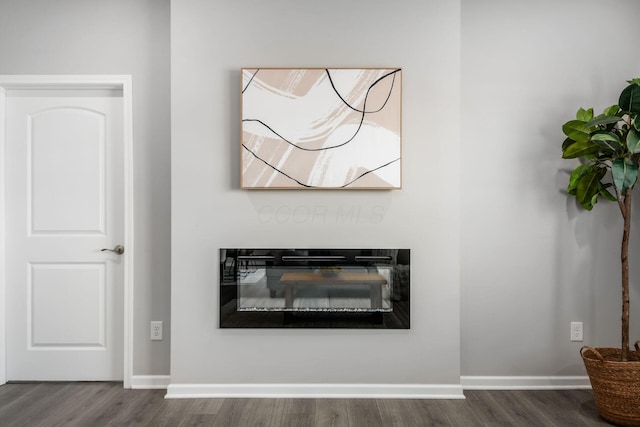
(616, 385)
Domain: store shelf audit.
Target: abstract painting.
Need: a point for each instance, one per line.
(321, 128)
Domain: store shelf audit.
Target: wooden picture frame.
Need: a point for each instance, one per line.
(321, 128)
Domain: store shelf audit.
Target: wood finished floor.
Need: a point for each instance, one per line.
(108, 404)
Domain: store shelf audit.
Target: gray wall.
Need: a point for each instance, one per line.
(518, 256)
(211, 41)
(532, 261)
(114, 37)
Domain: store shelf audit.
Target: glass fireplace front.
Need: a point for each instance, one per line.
(314, 288)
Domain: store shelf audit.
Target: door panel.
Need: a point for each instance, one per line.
(51, 311)
(64, 204)
(67, 196)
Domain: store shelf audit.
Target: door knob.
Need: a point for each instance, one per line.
(118, 249)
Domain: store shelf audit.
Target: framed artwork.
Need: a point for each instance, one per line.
(321, 128)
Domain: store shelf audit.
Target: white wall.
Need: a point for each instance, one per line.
(532, 261)
(211, 41)
(114, 37)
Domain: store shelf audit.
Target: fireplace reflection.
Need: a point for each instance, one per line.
(315, 288)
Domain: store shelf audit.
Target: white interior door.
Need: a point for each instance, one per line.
(64, 203)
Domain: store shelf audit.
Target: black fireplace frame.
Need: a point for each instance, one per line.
(397, 260)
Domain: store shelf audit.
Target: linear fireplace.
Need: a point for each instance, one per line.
(314, 288)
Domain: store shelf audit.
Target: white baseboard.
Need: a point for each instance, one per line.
(378, 391)
(150, 381)
(342, 391)
(525, 383)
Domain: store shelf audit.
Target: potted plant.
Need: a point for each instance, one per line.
(608, 146)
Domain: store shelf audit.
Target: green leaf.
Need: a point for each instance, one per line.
(633, 141)
(611, 111)
(625, 174)
(588, 188)
(607, 140)
(567, 142)
(604, 135)
(576, 130)
(576, 176)
(634, 81)
(584, 115)
(630, 98)
(603, 120)
(580, 149)
(607, 195)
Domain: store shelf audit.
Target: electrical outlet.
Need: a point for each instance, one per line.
(576, 331)
(156, 330)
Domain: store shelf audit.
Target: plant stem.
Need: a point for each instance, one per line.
(625, 208)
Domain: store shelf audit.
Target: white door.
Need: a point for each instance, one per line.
(64, 198)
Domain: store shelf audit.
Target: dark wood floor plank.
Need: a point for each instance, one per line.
(108, 408)
(432, 411)
(580, 404)
(138, 407)
(396, 413)
(299, 412)
(192, 420)
(298, 420)
(231, 412)
(130, 407)
(108, 404)
(587, 407)
(36, 407)
(82, 399)
(265, 413)
(15, 395)
(408, 413)
(331, 413)
(487, 411)
(299, 406)
(545, 403)
(363, 413)
(203, 406)
(458, 412)
(15, 404)
(520, 409)
(172, 411)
